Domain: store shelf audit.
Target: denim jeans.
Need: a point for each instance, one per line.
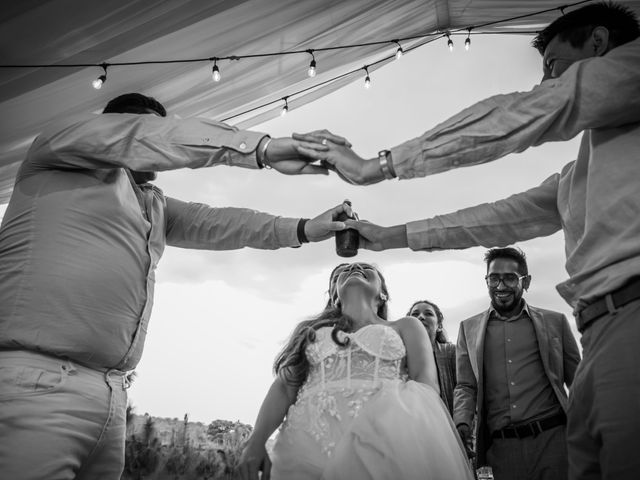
(59, 420)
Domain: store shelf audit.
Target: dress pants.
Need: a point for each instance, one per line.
(603, 430)
(540, 457)
(60, 420)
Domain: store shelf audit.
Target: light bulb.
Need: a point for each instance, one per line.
(284, 111)
(312, 69)
(399, 53)
(367, 82)
(467, 44)
(450, 44)
(215, 73)
(98, 82)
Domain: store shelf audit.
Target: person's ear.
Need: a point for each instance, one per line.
(526, 282)
(600, 41)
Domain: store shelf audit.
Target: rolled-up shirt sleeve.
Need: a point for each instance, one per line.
(523, 216)
(199, 226)
(594, 93)
(142, 143)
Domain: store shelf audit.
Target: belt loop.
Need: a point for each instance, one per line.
(608, 300)
(123, 378)
(537, 428)
(70, 367)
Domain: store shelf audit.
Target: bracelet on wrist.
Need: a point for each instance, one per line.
(302, 236)
(386, 167)
(265, 160)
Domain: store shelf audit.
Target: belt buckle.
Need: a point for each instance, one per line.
(536, 428)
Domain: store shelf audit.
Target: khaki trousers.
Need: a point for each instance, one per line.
(59, 420)
(603, 429)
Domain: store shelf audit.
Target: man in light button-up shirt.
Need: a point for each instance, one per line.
(79, 244)
(591, 63)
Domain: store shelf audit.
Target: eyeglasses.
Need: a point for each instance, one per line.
(509, 279)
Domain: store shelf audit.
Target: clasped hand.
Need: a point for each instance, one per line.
(335, 153)
(295, 156)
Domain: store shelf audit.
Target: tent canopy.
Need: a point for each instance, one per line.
(95, 31)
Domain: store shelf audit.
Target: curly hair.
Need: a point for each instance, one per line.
(441, 335)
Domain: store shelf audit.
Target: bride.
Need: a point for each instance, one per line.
(360, 396)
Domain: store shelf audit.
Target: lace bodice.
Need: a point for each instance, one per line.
(374, 353)
(341, 380)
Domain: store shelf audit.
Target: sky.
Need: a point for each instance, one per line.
(220, 318)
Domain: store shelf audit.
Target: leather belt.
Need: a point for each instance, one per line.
(532, 428)
(608, 304)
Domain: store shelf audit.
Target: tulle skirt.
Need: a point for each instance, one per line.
(403, 431)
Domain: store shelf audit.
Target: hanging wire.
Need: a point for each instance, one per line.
(421, 41)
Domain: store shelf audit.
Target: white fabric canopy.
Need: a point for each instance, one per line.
(95, 31)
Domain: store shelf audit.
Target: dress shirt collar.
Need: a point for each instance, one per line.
(493, 313)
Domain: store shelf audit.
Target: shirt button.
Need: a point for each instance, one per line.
(508, 339)
(510, 361)
(513, 383)
(243, 145)
(513, 406)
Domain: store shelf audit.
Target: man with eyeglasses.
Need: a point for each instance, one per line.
(513, 362)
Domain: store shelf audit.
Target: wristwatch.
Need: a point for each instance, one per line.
(384, 157)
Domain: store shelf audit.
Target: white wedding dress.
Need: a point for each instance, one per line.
(356, 417)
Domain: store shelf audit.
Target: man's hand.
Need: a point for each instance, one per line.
(465, 435)
(325, 225)
(284, 154)
(339, 157)
(254, 459)
(377, 238)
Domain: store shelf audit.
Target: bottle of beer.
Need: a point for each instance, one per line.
(347, 241)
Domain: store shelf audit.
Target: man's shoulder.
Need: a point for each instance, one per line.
(474, 319)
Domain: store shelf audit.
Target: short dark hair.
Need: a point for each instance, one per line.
(577, 25)
(134, 103)
(513, 253)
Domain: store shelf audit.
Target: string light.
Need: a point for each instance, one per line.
(399, 51)
(312, 66)
(428, 38)
(215, 71)
(285, 108)
(98, 82)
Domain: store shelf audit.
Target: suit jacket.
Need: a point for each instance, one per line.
(445, 355)
(558, 351)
